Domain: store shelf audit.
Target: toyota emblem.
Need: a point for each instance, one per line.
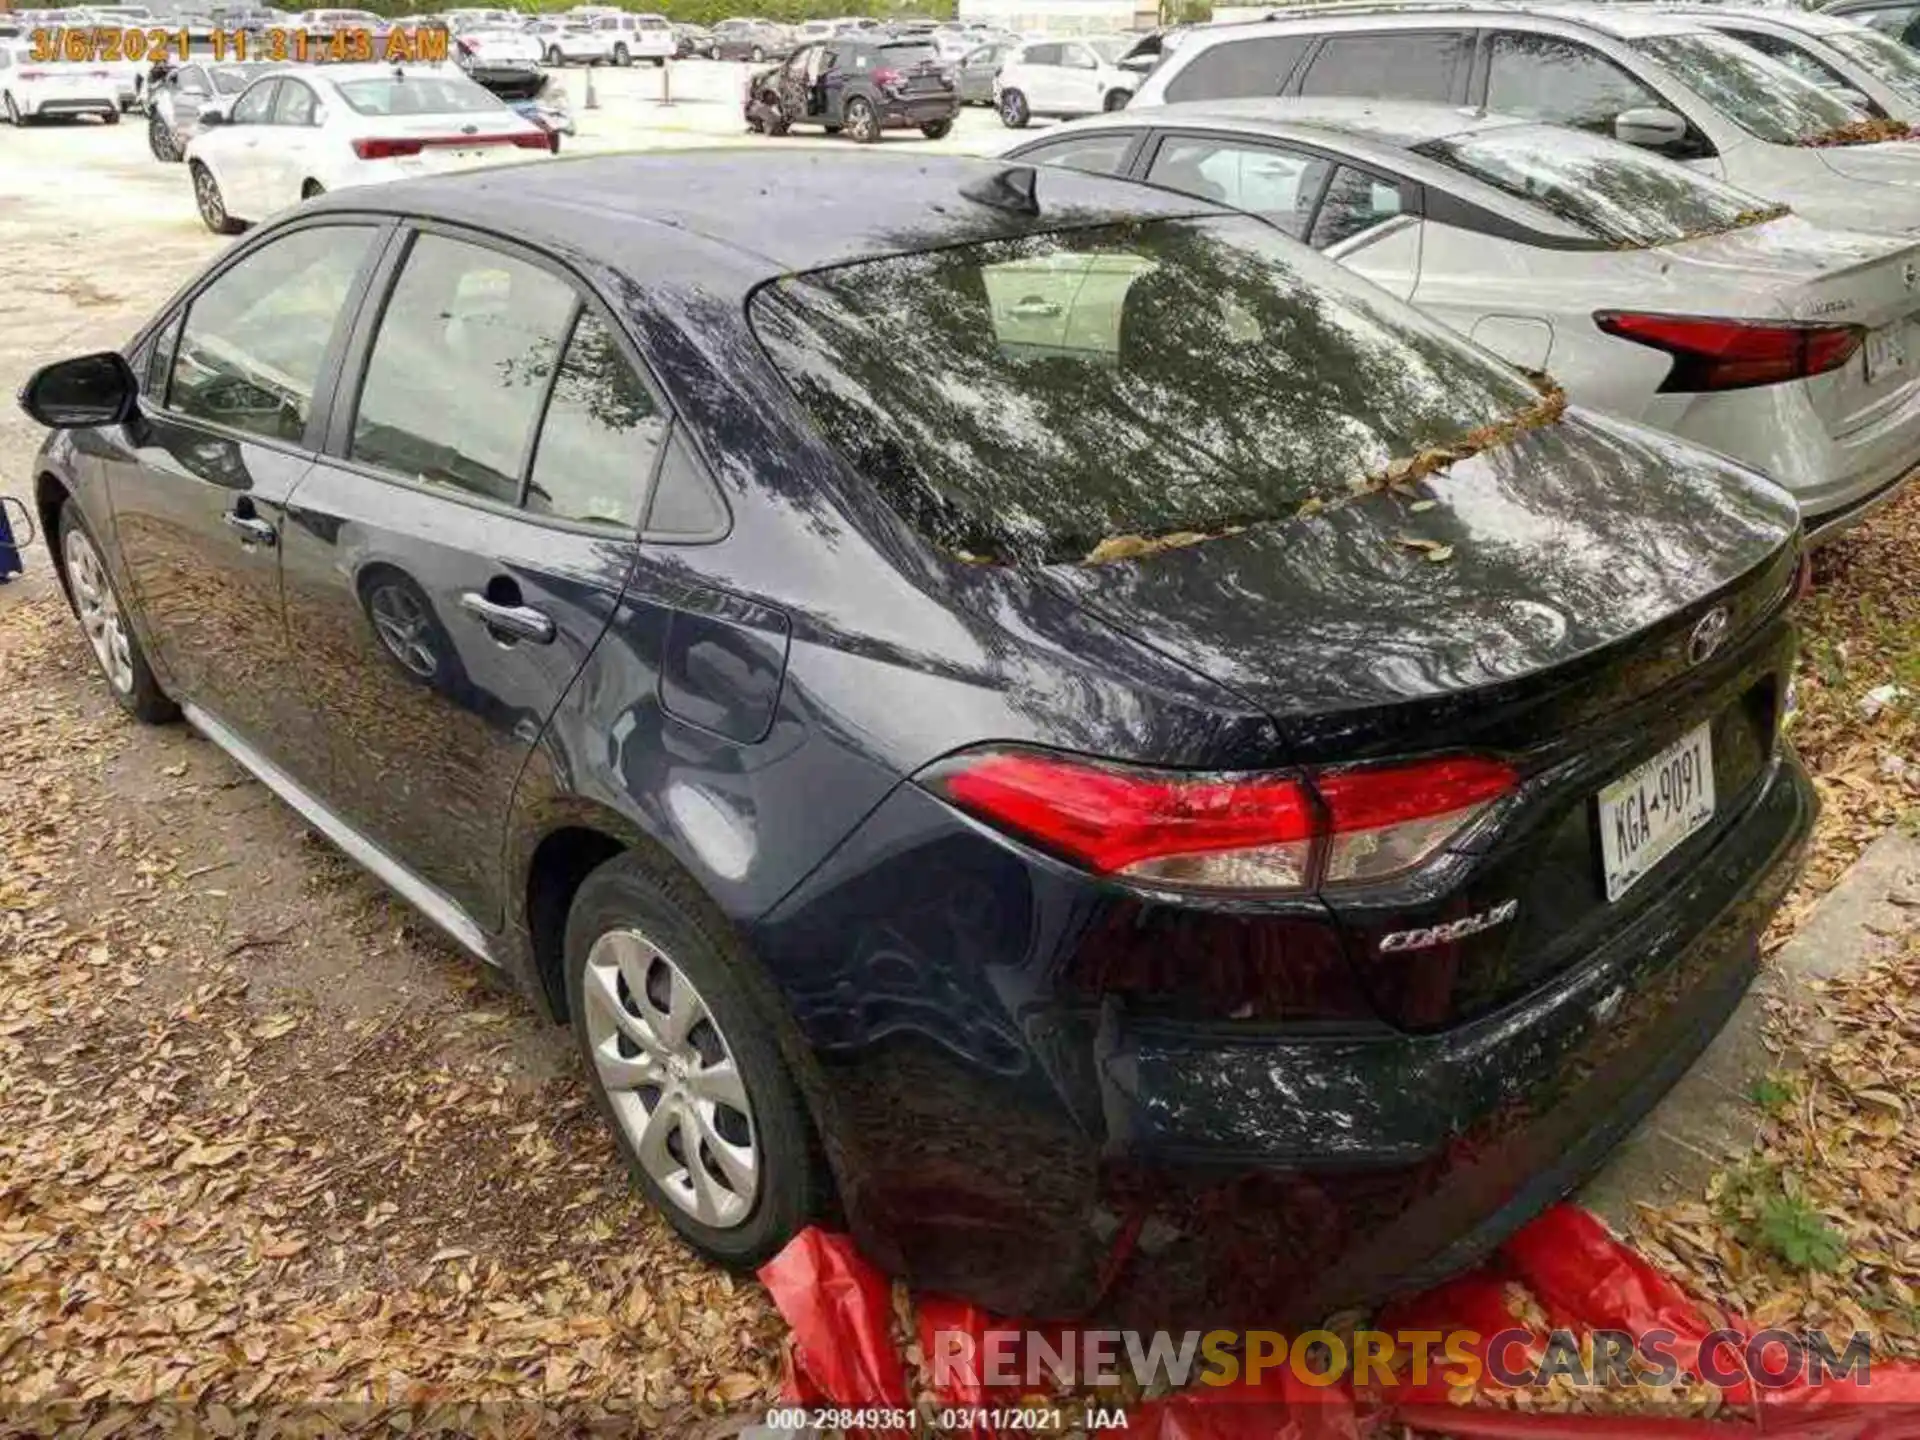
(1708, 635)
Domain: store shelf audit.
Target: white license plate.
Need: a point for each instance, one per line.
(1652, 808)
(1888, 349)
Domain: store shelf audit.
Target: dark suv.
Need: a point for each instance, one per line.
(861, 87)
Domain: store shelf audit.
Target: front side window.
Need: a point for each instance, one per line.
(256, 105)
(1042, 55)
(1077, 57)
(192, 81)
(1423, 66)
(1022, 400)
(1274, 184)
(1355, 203)
(1545, 77)
(296, 105)
(460, 367)
(1762, 97)
(1611, 192)
(600, 435)
(255, 339)
(1237, 68)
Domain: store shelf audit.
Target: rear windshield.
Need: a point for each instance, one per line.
(909, 55)
(231, 79)
(1611, 191)
(417, 95)
(1887, 60)
(1028, 399)
(1761, 96)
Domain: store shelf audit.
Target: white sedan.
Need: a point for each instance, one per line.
(34, 90)
(1642, 286)
(494, 48)
(291, 135)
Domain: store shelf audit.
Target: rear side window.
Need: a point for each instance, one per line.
(459, 368)
(1423, 66)
(1272, 183)
(255, 339)
(1096, 154)
(601, 433)
(1240, 67)
(1025, 399)
(1355, 203)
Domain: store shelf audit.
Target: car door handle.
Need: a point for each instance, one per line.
(253, 530)
(523, 622)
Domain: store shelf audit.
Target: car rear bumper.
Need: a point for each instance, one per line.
(929, 110)
(993, 1140)
(48, 105)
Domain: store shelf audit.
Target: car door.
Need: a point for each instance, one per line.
(463, 543)
(244, 151)
(1078, 80)
(287, 160)
(200, 480)
(1037, 69)
(1369, 222)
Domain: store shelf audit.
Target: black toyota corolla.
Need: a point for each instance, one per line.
(1031, 715)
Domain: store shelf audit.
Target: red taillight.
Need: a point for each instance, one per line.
(888, 79)
(386, 149)
(539, 140)
(1225, 832)
(1711, 354)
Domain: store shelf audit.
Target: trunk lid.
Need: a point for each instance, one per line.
(1557, 634)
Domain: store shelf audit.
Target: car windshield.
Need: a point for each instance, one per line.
(1034, 399)
(417, 95)
(1612, 191)
(1109, 47)
(907, 56)
(1887, 60)
(1759, 95)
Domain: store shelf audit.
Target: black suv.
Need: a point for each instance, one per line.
(859, 86)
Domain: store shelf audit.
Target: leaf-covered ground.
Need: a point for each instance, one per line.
(265, 1141)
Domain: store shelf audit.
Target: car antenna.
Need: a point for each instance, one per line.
(1015, 188)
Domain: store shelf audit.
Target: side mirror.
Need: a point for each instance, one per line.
(212, 115)
(1649, 127)
(79, 393)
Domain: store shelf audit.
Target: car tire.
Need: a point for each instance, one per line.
(554, 57)
(14, 117)
(775, 121)
(103, 619)
(112, 117)
(699, 1005)
(212, 207)
(659, 62)
(862, 124)
(757, 55)
(1116, 100)
(161, 140)
(1014, 113)
(621, 56)
(311, 189)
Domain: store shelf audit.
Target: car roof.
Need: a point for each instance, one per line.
(755, 213)
(1624, 22)
(1811, 22)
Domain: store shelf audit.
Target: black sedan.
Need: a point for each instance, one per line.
(1032, 705)
(859, 88)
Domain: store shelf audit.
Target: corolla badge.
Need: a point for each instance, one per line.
(1432, 935)
(1708, 635)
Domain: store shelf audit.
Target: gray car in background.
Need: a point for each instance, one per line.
(754, 40)
(176, 98)
(973, 76)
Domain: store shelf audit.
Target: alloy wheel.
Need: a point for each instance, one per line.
(404, 629)
(862, 124)
(99, 611)
(13, 110)
(206, 194)
(671, 1079)
(160, 138)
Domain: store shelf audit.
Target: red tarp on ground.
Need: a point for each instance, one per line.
(843, 1353)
